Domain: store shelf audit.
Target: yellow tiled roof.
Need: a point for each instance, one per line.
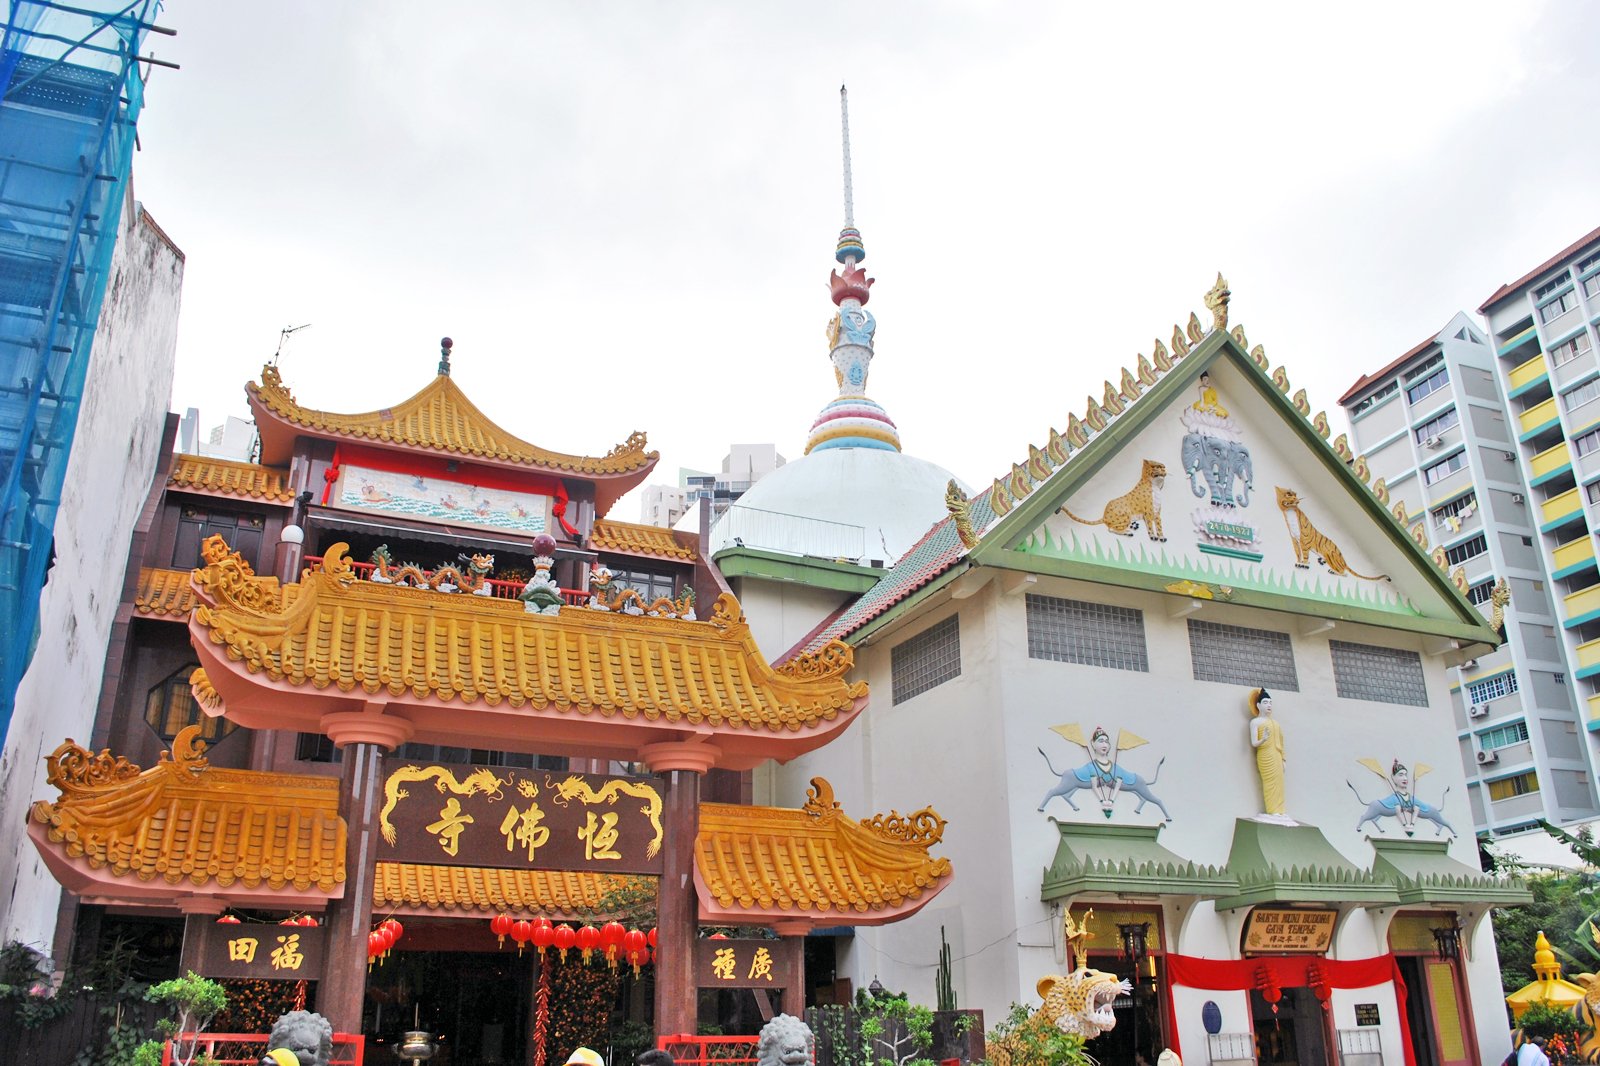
(440, 418)
(631, 538)
(164, 593)
(334, 629)
(816, 859)
(227, 478)
(480, 890)
(182, 821)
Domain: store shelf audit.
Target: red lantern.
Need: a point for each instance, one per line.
(544, 934)
(228, 919)
(717, 936)
(521, 932)
(564, 939)
(611, 935)
(633, 943)
(398, 929)
(374, 945)
(500, 925)
(651, 937)
(1318, 980)
(588, 940)
(306, 919)
(290, 921)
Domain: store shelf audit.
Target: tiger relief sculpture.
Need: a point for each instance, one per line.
(1079, 1003)
(1309, 541)
(1142, 502)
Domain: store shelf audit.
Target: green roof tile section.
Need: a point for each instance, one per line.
(1423, 872)
(1125, 859)
(1295, 864)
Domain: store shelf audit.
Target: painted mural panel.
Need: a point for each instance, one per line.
(441, 499)
(1217, 495)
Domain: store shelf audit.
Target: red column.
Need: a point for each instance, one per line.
(794, 977)
(678, 908)
(363, 736)
(199, 915)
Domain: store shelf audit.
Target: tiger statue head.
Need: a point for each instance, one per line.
(1081, 1002)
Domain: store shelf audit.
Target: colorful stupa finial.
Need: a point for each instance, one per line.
(852, 420)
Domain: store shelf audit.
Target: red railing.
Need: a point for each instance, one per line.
(687, 1050)
(503, 590)
(246, 1049)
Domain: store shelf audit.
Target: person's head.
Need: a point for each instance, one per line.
(1261, 702)
(1399, 776)
(1100, 742)
(654, 1057)
(585, 1057)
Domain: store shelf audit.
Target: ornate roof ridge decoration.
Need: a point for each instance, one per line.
(833, 659)
(440, 418)
(416, 649)
(228, 477)
(815, 864)
(633, 538)
(1133, 861)
(116, 826)
(162, 593)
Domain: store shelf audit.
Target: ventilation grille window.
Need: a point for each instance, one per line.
(1384, 675)
(1094, 634)
(1236, 655)
(930, 658)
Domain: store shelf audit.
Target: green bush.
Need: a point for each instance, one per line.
(1035, 1044)
(195, 1000)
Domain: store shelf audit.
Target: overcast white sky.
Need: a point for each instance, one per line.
(624, 214)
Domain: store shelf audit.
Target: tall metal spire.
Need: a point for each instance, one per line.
(844, 122)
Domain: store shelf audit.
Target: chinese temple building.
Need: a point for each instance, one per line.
(405, 668)
(1184, 667)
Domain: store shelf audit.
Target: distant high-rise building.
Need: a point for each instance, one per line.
(742, 467)
(1431, 424)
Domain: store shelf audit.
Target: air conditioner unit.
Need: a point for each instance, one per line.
(1470, 664)
(1487, 757)
(1432, 442)
(1478, 710)
(1511, 457)
(1517, 497)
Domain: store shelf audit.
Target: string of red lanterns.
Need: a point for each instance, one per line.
(617, 942)
(382, 940)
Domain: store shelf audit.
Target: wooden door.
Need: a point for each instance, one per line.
(1448, 1015)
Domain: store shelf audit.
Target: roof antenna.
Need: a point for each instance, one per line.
(283, 335)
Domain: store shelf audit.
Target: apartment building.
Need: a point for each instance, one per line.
(1433, 425)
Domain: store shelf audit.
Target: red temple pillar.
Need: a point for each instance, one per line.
(364, 737)
(199, 915)
(794, 979)
(677, 906)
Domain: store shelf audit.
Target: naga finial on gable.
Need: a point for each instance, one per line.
(1217, 303)
(956, 502)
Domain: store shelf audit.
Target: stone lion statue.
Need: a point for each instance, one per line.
(307, 1037)
(785, 1041)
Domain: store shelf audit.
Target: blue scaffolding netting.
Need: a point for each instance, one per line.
(72, 95)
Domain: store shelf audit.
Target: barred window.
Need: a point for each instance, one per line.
(1441, 470)
(1094, 634)
(1437, 425)
(1456, 506)
(1503, 736)
(1235, 655)
(1492, 688)
(930, 658)
(1384, 675)
(170, 708)
(1481, 592)
(1467, 549)
(1520, 785)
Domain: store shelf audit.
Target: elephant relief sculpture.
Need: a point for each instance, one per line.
(1221, 463)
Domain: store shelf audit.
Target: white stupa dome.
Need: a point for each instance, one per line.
(867, 505)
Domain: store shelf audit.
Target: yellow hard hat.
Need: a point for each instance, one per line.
(585, 1057)
(282, 1056)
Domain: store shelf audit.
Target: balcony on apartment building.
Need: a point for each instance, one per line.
(1537, 422)
(1550, 464)
(1528, 377)
(1559, 511)
(1517, 342)
(1572, 558)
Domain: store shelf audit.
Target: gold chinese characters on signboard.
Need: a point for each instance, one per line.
(723, 963)
(513, 817)
(1272, 930)
(273, 952)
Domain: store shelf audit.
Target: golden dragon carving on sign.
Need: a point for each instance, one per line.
(576, 788)
(481, 780)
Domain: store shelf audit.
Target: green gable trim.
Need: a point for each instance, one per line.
(1001, 541)
(1232, 553)
(1295, 864)
(802, 570)
(1126, 859)
(1423, 872)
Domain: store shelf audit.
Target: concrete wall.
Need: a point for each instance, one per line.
(108, 478)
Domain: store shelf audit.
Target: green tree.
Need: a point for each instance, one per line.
(194, 1000)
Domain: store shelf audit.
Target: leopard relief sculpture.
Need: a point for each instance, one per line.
(1309, 541)
(1081, 1003)
(1143, 501)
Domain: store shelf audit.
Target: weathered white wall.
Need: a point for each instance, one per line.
(108, 478)
(969, 748)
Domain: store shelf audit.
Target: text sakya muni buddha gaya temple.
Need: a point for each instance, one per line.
(547, 717)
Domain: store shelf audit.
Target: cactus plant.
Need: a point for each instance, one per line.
(946, 986)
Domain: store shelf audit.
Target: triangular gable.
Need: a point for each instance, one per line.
(1229, 542)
